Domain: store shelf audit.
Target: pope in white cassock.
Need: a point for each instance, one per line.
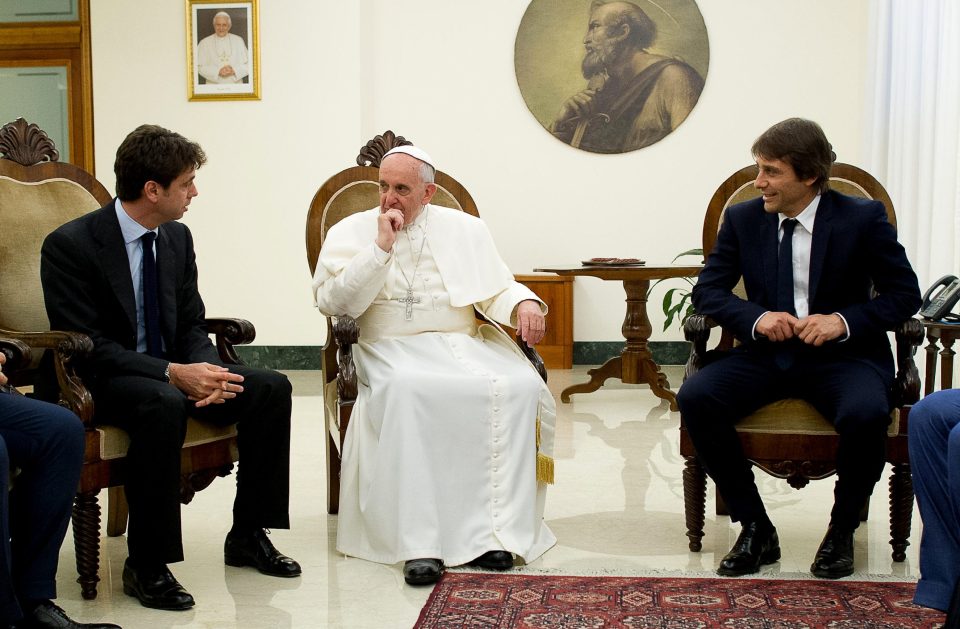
(222, 57)
(440, 461)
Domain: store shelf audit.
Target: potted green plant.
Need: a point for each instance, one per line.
(676, 301)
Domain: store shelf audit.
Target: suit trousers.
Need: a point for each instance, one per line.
(154, 414)
(935, 461)
(852, 393)
(45, 442)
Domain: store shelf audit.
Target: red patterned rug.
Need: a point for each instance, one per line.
(538, 602)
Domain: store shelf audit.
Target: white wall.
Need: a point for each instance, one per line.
(439, 72)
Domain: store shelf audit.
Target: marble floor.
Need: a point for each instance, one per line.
(616, 509)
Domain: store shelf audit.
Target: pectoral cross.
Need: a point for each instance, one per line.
(409, 300)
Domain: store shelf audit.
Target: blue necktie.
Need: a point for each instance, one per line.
(151, 300)
(785, 301)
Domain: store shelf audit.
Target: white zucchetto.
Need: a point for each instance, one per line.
(412, 151)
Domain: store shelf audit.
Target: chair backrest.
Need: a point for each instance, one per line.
(357, 189)
(738, 187)
(37, 195)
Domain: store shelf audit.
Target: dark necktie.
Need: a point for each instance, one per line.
(785, 269)
(151, 300)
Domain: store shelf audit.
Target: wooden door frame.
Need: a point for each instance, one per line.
(63, 44)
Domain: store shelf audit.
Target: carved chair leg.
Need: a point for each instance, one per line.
(86, 540)
(901, 510)
(333, 476)
(117, 511)
(694, 501)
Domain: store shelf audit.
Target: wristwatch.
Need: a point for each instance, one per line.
(166, 373)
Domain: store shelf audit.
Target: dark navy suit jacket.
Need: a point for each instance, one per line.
(854, 249)
(88, 288)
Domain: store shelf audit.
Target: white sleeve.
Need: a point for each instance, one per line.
(241, 66)
(502, 307)
(207, 64)
(351, 289)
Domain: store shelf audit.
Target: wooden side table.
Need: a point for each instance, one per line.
(941, 336)
(556, 348)
(635, 364)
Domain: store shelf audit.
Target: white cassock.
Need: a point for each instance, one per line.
(440, 456)
(214, 52)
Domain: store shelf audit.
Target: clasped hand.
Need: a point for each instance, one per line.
(205, 383)
(388, 224)
(814, 330)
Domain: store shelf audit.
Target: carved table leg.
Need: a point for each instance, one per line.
(635, 365)
(86, 540)
(946, 360)
(599, 375)
(931, 363)
(638, 364)
(694, 501)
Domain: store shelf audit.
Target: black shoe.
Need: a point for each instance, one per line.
(155, 587)
(758, 545)
(834, 558)
(46, 615)
(494, 560)
(422, 571)
(257, 551)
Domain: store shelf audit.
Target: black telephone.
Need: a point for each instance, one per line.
(937, 304)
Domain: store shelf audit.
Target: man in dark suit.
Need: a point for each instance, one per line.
(153, 364)
(45, 442)
(808, 329)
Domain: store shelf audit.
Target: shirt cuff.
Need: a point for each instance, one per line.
(845, 325)
(753, 330)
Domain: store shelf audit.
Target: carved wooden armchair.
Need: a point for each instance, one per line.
(789, 438)
(37, 195)
(349, 191)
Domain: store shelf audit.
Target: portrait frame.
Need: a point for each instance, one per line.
(565, 83)
(206, 51)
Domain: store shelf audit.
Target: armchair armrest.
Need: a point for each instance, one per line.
(696, 329)
(67, 349)
(229, 332)
(533, 357)
(17, 355)
(346, 332)
(906, 386)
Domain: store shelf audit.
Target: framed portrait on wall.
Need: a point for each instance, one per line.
(223, 50)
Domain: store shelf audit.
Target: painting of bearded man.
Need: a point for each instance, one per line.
(635, 95)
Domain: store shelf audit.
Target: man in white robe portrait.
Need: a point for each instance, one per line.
(222, 57)
(447, 452)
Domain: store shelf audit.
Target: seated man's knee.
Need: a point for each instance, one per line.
(275, 382)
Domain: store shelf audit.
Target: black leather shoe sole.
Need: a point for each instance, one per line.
(284, 570)
(830, 573)
(494, 560)
(156, 604)
(422, 572)
(772, 555)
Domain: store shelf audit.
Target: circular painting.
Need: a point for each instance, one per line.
(611, 77)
